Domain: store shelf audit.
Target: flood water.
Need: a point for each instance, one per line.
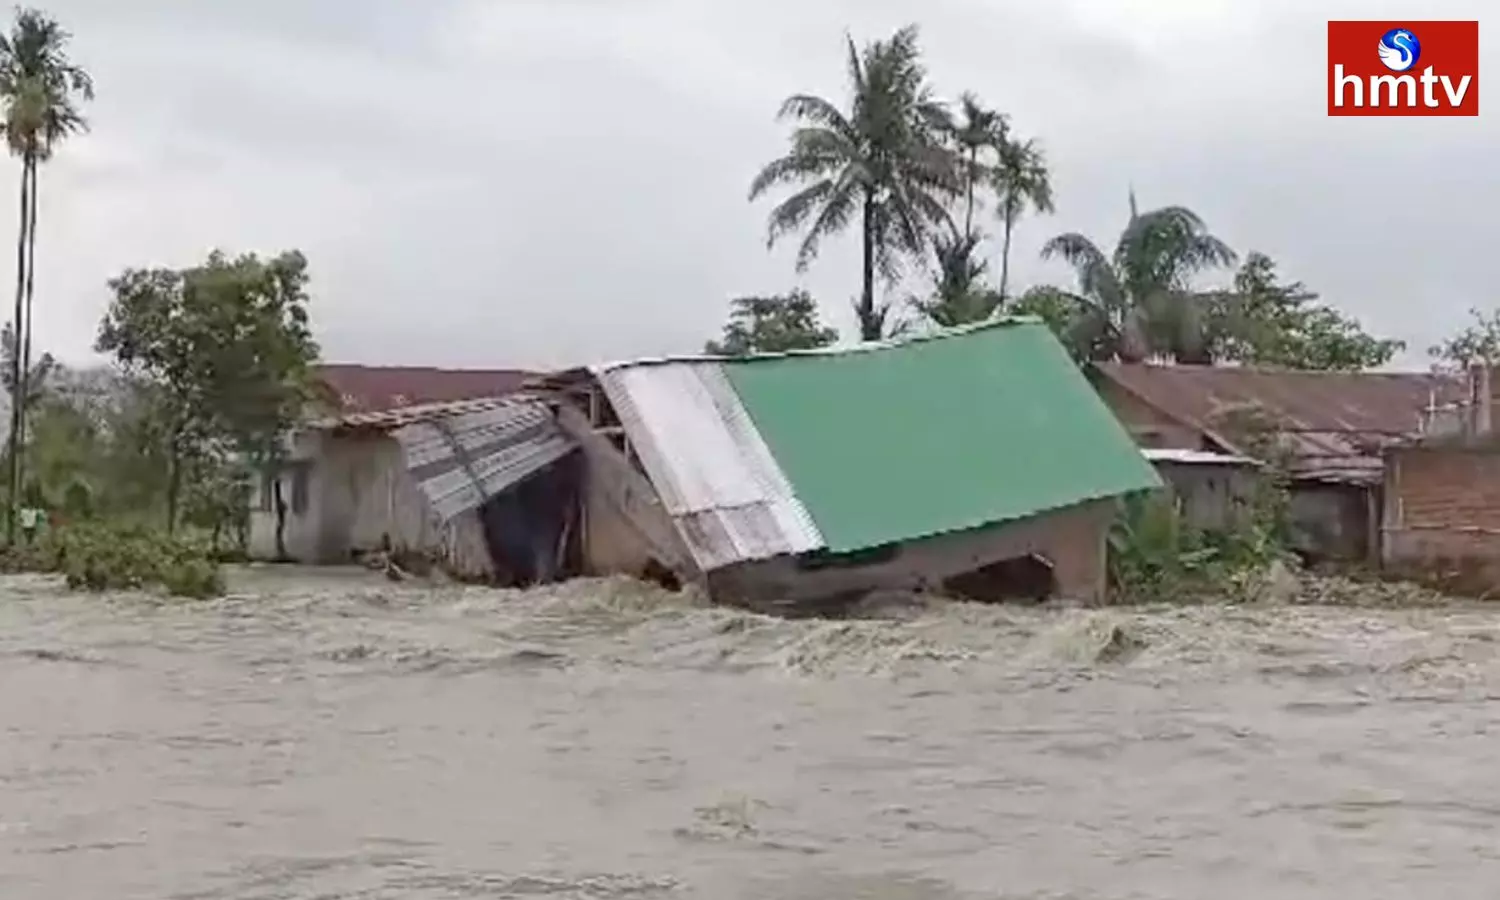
(334, 736)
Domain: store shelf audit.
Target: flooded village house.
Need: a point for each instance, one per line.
(1334, 426)
(1441, 505)
(967, 461)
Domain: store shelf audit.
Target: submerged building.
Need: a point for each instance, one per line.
(978, 461)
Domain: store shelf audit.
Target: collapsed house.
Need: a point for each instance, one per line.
(978, 461)
(1334, 427)
(966, 460)
(482, 487)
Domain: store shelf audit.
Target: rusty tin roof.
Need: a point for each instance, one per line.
(1338, 422)
(375, 388)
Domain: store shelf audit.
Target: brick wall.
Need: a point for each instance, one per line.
(1442, 507)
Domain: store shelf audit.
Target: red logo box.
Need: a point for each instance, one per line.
(1442, 80)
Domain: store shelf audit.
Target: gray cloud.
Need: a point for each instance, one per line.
(523, 182)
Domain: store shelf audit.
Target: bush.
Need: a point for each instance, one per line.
(1155, 555)
(109, 558)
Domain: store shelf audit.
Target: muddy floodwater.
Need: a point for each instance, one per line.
(337, 736)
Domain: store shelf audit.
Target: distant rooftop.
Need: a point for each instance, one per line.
(360, 388)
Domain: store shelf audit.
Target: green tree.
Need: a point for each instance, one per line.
(1264, 321)
(772, 324)
(960, 295)
(1138, 302)
(41, 89)
(36, 376)
(978, 133)
(1479, 341)
(226, 348)
(881, 162)
(1062, 313)
(1023, 184)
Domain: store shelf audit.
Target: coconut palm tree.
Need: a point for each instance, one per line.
(41, 88)
(978, 133)
(1022, 182)
(881, 162)
(1138, 302)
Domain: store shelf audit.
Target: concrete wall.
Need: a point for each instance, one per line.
(1442, 508)
(302, 525)
(611, 544)
(1212, 496)
(1335, 522)
(360, 492)
(1072, 540)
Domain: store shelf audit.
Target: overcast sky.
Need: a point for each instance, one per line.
(539, 182)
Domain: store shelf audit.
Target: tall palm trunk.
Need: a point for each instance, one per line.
(26, 386)
(13, 444)
(969, 202)
(869, 328)
(1010, 224)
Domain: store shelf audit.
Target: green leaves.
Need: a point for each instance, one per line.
(1263, 321)
(227, 350)
(772, 324)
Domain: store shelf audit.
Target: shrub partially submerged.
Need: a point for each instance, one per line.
(112, 558)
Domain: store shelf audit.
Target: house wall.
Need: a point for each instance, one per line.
(1149, 426)
(1442, 507)
(1072, 540)
(611, 544)
(359, 492)
(1334, 522)
(303, 520)
(1212, 496)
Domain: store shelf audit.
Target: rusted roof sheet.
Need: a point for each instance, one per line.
(374, 388)
(1338, 422)
(714, 473)
(464, 458)
(390, 419)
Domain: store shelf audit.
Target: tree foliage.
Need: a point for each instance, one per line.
(1264, 321)
(226, 350)
(772, 324)
(1476, 342)
(880, 161)
(1137, 302)
(960, 293)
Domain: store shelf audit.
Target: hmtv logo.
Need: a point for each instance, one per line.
(1403, 68)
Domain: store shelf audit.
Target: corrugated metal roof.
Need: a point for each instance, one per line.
(461, 459)
(960, 430)
(375, 388)
(713, 471)
(1336, 422)
(1197, 457)
(389, 419)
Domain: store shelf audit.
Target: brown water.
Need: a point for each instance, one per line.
(335, 737)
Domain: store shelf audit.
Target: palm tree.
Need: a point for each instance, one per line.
(1022, 183)
(977, 131)
(881, 161)
(40, 86)
(960, 295)
(1138, 302)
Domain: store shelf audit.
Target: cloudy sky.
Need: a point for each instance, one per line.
(539, 182)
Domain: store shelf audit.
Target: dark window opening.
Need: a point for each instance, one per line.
(1019, 578)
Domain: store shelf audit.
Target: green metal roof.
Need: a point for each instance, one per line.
(966, 428)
